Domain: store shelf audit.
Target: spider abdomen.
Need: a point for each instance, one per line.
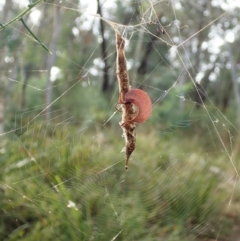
(143, 103)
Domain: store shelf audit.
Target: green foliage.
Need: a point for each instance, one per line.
(72, 185)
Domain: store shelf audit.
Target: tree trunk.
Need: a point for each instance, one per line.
(106, 84)
(233, 71)
(142, 69)
(4, 18)
(1, 115)
(52, 58)
(197, 58)
(137, 58)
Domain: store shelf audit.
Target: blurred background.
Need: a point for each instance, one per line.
(62, 169)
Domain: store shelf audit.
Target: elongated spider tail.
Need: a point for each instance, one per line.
(126, 165)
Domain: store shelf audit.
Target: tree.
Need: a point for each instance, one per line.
(51, 59)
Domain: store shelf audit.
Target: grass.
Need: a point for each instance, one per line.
(63, 183)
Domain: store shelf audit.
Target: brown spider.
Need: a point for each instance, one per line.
(135, 104)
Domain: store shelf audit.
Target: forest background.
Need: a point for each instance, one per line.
(62, 170)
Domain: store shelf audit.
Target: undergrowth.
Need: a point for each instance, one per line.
(70, 184)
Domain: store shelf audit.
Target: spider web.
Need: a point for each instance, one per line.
(64, 178)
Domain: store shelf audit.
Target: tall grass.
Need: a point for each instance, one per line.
(70, 184)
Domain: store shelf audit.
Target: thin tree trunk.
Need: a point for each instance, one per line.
(12, 78)
(13, 72)
(233, 71)
(25, 74)
(106, 84)
(200, 36)
(137, 57)
(1, 115)
(52, 58)
(142, 69)
(197, 57)
(224, 99)
(6, 11)
(201, 95)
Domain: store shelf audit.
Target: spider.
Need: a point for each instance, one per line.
(135, 104)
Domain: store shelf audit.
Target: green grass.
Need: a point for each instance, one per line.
(63, 183)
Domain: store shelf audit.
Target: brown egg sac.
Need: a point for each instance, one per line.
(143, 103)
